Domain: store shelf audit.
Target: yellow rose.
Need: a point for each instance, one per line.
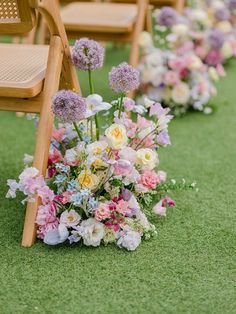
(116, 136)
(88, 180)
(195, 63)
(98, 163)
(147, 158)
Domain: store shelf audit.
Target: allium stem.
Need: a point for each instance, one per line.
(121, 104)
(78, 131)
(91, 87)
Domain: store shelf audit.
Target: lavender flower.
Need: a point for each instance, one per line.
(222, 14)
(87, 54)
(167, 17)
(68, 106)
(216, 38)
(124, 78)
(232, 4)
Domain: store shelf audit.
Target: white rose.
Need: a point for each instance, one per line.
(96, 148)
(181, 93)
(227, 50)
(145, 40)
(195, 63)
(147, 158)
(180, 29)
(129, 240)
(116, 136)
(92, 232)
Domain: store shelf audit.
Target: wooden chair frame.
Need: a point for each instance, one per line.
(59, 71)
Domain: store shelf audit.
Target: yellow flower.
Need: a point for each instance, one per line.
(116, 136)
(98, 163)
(88, 180)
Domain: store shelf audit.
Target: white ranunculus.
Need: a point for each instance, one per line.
(129, 240)
(147, 158)
(93, 232)
(56, 236)
(116, 136)
(181, 93)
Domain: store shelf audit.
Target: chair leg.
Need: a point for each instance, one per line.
(51, 85)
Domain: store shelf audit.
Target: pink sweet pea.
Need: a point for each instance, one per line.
(122, 167)
(159, 209)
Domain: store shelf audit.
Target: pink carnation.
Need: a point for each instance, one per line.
(102, 212)
(46, 219)
(150, 179)
(122, 207)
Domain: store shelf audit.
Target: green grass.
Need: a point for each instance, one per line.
(188, 268)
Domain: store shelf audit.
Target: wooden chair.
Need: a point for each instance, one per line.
(31, 74)
(116, 22)
(176, 4)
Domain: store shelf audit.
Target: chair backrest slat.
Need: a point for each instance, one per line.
(16, 17)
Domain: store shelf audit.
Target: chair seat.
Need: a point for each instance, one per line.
(22, 69)
(99, 17)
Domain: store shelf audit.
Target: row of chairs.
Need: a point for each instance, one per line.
(31, 74)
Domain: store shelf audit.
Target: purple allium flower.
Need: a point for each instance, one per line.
(222, 14)
(68, 106)
(167, 17)
(124, 78)
(216, 38)
(87, 54)
(232, 4)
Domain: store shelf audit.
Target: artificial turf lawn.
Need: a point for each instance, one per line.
(188, 268)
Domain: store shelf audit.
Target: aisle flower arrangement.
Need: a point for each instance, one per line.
(208, 32)
(103, 182)
(177, 81)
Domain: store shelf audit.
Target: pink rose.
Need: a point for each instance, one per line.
(149, 179)
(213, 58)
(102, 212)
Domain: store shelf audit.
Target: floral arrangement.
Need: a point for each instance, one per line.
(177, 81)
(207, 32)
(102, 183)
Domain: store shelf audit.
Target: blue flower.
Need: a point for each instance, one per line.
(76, 199)
(72, 185)
(59, 179)
(62, 168)
(93, 203)
(85, 192)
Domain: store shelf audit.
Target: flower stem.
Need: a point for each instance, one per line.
(78, 131)
(121, 104)
(92, 92)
